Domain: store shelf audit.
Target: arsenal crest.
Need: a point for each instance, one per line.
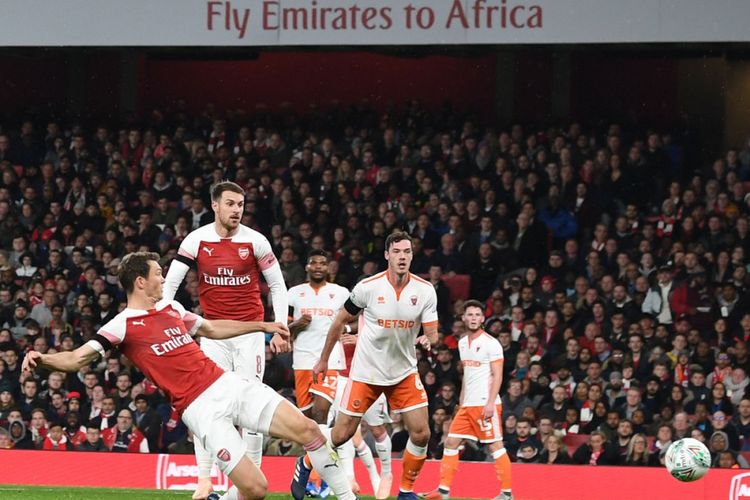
(224, 455)
(413, 299)
(244, 252)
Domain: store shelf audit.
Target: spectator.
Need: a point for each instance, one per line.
(554, 451)
(596, 452)
(75, 433)
(514, 402)
(637, 453)
(20, 436)
(446, 398)
(147, 421)
(719, 443)
(93, 441)
(523, 437)
(445, 369)
(56, 439)
(125, 436)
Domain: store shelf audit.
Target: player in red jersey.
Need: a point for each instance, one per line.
(230, 258)
(157, 336)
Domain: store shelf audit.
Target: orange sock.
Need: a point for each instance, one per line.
(502, 467)
(413, 460)
(307, 461)
(448, 468)
(314, 477)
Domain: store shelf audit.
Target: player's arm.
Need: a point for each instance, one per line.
(343, 318)
(178, 269)
(299, 325)
(496, 368)
(220, 329)
(271, 270)
(430, 321)
(69, 361)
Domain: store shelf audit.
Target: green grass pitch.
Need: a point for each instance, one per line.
(70, 493)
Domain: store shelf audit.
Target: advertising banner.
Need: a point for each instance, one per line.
(367, 22)
(475, 480)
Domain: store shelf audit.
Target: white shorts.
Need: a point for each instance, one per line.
(230, 401)
(376, 414)
(244, 355)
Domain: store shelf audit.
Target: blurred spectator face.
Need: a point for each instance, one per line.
(108, 406)
(572, 348)
(613, 419)
(624, 429)
(447, 392)
(92, 435)
(438, 417)
(744, 408)
(523, 429)
(633, 397)
(719, 420)
(698, 434)
(514, 389)
(594, 371)
(635, 344)
(38, 420)
(56, 401)
(124, 420)
(726, 460)
(559, 395)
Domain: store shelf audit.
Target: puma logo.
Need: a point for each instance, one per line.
(209, 251)
(331, 465)
(140, 322)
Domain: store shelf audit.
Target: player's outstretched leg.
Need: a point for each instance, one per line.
(205, 462)
(289, 423)
(416, 422)
(249, 483)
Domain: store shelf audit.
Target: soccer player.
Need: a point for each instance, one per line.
(230, 258)
(479, 411)
(396, 304)
(157, 337)
(314, 305)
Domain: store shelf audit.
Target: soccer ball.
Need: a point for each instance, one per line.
(687, 459)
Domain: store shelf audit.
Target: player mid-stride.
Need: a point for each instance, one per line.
(230, 258)
(396, 305)
(479, 412)
(157, 337)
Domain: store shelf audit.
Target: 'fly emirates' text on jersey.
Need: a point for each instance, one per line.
(229, 271)
(476, 358)
(160, 343)
(386, 353)
(323, 305)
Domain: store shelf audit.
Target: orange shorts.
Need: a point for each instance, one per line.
(405, 396)
(469, 424)
(304, 387)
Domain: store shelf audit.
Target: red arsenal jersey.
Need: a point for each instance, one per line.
(229, 271)
(160, 343)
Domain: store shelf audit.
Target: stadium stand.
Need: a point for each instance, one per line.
(611, 265)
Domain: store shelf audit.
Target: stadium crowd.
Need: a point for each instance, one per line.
(613, 268)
